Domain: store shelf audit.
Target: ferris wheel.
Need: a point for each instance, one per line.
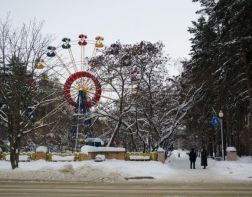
(74, 70)
(68, 62)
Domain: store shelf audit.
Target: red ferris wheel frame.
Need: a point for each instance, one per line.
(77, 75)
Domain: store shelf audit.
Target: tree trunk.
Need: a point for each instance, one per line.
(249, 131)
(14, 155)
(133, 142)
(15, 141)
(115, 132)
(250, 127)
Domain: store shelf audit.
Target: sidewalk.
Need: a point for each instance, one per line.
(216, 171)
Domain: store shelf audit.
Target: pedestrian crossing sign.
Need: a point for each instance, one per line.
(215, 121)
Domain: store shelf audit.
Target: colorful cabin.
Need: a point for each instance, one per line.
(66, 42)
(99, 38)
(39, 64)
(98, 43)
(51, 52)
(82, 41)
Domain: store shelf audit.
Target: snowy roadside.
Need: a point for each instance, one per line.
(176, 169)
(107, 171)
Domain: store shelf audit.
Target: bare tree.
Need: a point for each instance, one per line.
(19, 50)
(147, 108)
(114, 68)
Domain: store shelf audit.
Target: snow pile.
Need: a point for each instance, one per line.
(245, 159)
(231, 149)
(160, 149)
(235, 169)
(86, 149)
(107, 171)
(42, 149)
(139, 157)
(67, 169)
(21, 158)
(109, 149)
(137, 168)
(100, 157)
(62, 158)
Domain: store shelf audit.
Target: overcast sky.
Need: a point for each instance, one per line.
(129, 21)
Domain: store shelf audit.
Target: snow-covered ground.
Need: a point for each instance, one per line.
(176, 169)
(223, 171)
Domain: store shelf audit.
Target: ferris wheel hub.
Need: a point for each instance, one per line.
(83, 80)
(85, 89)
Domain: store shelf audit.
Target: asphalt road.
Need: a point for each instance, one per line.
(137, 189)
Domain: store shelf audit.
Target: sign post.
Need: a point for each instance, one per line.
(215, 121)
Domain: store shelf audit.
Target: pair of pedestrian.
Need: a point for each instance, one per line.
(193, 156)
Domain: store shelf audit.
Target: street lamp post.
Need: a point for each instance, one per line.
(222, 141)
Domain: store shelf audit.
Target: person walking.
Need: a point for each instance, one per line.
(204, 158)
(192, 158)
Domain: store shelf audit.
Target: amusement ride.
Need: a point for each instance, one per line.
(82, 89)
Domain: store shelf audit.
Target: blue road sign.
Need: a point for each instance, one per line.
(215, 121)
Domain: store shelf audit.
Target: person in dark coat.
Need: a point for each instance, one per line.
(192, 158)
(204, 158)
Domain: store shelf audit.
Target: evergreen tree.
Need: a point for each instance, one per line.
(221, 59)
